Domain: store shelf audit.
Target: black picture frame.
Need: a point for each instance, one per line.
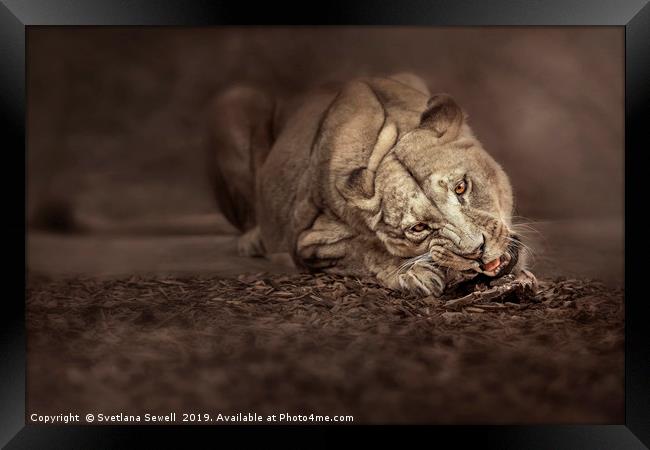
(17, 15)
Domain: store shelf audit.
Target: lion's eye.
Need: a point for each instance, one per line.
(460, 188)
(419, 227)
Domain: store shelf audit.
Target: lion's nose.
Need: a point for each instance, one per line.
(477, 253)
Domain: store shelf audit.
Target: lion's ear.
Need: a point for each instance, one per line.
(358, 186)
(443, 116)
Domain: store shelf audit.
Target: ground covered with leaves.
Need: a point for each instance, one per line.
(302, 344)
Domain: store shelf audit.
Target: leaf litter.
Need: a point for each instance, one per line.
(269, 343)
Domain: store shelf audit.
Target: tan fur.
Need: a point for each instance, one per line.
(353, 168)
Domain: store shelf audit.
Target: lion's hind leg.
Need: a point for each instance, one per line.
(239, 139)
(250, 243)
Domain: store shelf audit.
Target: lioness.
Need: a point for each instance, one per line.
(374, 177)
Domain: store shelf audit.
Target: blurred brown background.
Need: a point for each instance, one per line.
(116, 116)
(116, 125)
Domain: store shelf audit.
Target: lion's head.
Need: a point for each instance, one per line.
(437, 194)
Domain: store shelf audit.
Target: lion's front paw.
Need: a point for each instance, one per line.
(421, 278)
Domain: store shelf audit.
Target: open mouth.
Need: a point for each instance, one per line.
(494, 267)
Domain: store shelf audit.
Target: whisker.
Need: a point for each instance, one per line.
(524, 230)
(406, 265)
(525, 250)
(521, 245)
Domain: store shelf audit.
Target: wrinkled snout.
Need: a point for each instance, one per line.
(466, 245)
(478, 251)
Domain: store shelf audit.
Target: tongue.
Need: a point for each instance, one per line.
(489, 267)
